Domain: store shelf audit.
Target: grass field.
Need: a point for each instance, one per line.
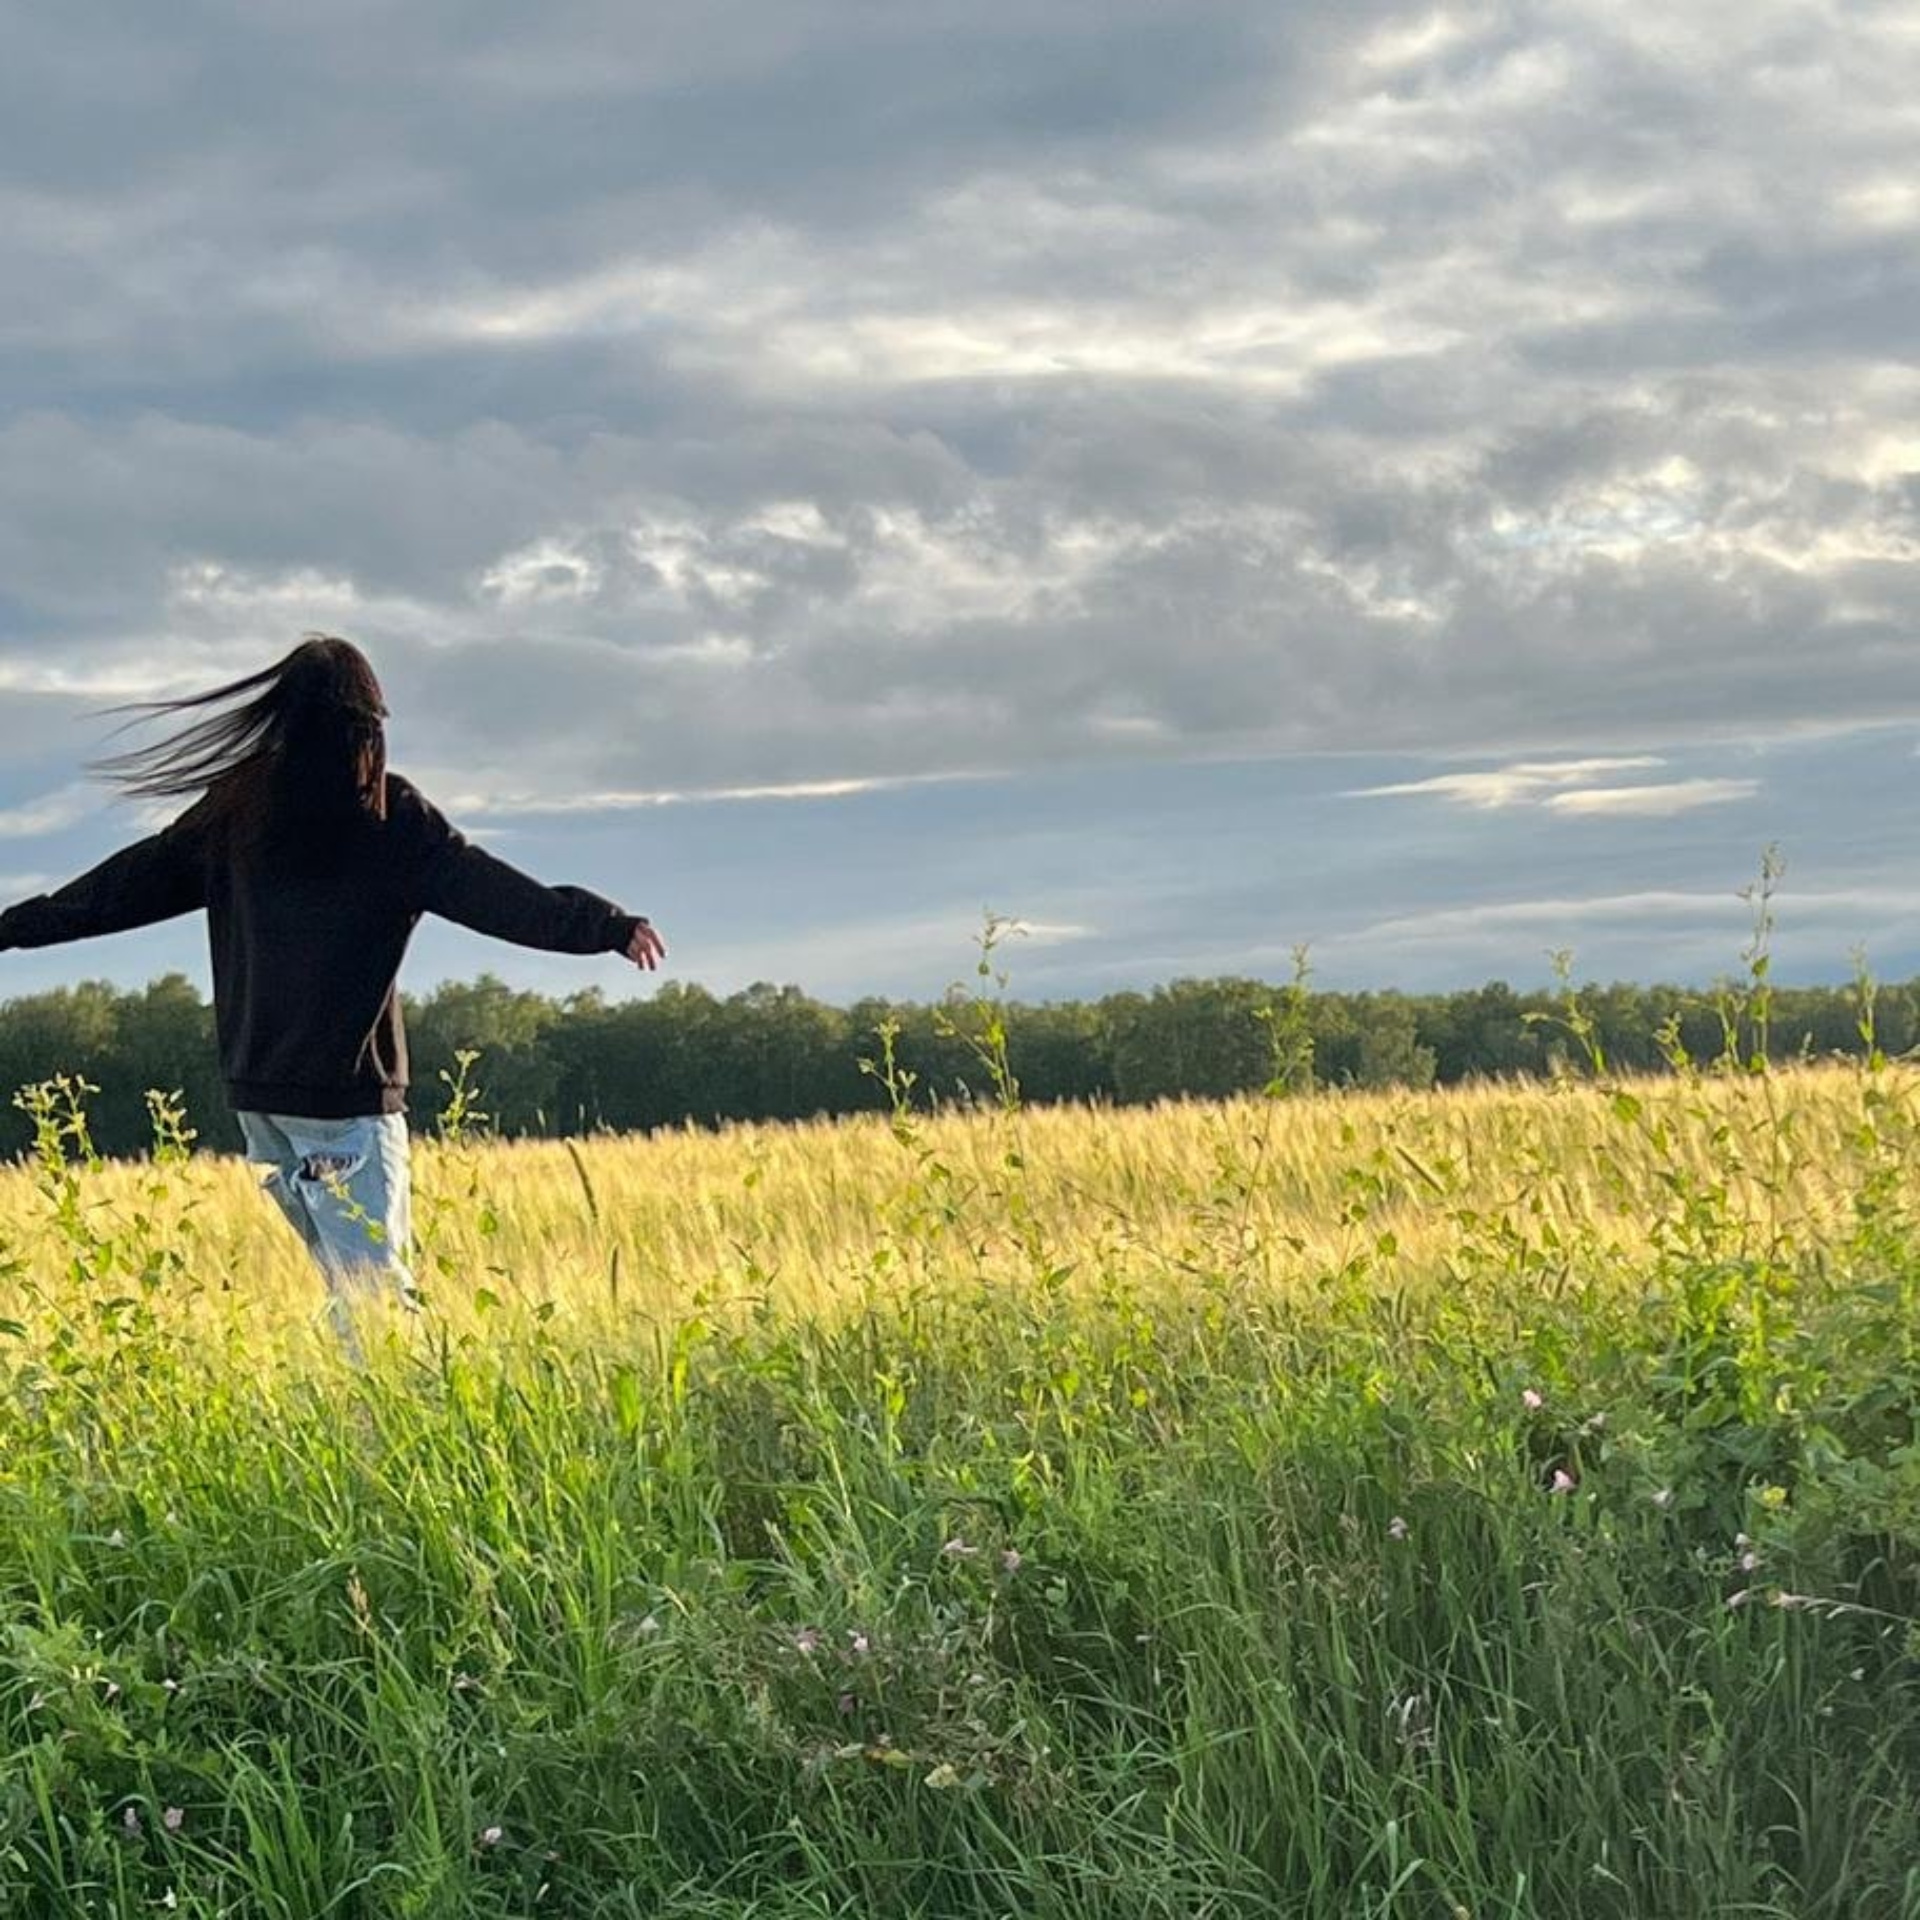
(1495, 1504)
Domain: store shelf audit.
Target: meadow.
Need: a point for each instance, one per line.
(1489, 1505)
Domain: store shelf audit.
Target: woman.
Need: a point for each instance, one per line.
(314, 864)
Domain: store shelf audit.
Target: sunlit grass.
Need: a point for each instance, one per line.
(796, 1214)
(1504, 1502)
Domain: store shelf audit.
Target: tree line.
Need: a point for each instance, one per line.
(688, 1056)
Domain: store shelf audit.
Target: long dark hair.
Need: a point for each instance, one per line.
(297, 748)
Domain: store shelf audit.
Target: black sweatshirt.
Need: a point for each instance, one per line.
(306, 953)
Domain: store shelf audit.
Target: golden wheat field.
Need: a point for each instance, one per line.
(1279, 1190)
(1419, 1186)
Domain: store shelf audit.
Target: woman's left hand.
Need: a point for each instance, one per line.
(646, 948)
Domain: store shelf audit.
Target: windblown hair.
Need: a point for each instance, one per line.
(295, 749)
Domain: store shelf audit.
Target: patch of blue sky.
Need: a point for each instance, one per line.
(1134, 875)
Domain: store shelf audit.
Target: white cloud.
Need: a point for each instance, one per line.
(1552, 920)
(98, 681)
(299, 593)
(1651, 802)
(1565, 787)
(1414, 41)
(1525, 783)
(484, 805)
(1051, 933)
(51, 813)
(547, 570)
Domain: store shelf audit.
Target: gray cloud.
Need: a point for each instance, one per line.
(763, 395)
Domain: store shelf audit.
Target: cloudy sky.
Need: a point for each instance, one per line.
(1439, 484)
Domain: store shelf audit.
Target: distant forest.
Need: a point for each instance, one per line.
(686, 1056)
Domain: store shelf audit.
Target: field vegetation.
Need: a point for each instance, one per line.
(1502, 1502)
(583, 1065)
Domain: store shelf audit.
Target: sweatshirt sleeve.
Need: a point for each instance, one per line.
(466, 884)
(154, 879)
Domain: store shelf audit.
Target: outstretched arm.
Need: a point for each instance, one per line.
(466, 884)
(154, 879)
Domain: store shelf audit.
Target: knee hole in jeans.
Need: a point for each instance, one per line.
(329, 1169)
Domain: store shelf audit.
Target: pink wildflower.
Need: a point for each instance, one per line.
(1533, 1400)
(1563, 1481)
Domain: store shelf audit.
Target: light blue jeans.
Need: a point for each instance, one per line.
(347, 1189)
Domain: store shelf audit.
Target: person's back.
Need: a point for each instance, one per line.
(314, 864)
(307, 942)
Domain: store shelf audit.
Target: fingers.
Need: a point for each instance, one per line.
(646, 949)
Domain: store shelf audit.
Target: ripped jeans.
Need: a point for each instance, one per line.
(346, 1187)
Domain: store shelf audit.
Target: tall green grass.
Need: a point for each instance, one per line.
(1511, 1510)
